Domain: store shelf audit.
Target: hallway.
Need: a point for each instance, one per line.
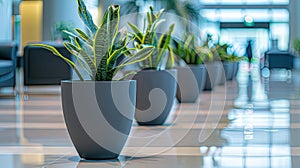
(252, 121)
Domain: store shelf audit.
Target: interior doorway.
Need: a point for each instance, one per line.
(239, 37)
(238, 34)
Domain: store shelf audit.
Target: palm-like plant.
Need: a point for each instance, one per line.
(149, 37)
(97, 51)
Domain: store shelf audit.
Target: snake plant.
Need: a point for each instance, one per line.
(187, 50)
(150, 37)
(221, 51)
(98, 50)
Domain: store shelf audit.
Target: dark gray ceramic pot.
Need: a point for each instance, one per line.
(191, 82)
(98, 116)
(155, 95)
(230, 76)
(235, 69)
(228, 72)
(213, 75)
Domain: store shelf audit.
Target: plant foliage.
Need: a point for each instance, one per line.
(97, 51)
(187, 49)
(150, 37)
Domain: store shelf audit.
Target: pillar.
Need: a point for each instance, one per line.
(294, 21)
(6, 20)
(59, 11)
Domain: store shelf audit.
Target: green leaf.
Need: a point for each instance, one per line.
(106, 34)
(85, 37)
(171, 58)
(139, 56)
(165, 45)
(88, 61)
(155, 24)
(160, 12)
(149, 19)
(78, 54)
(126, 75)
(86, 17)
(57, 53)
(101, 45)
(138, 34)
(70, 34)
(101, 73)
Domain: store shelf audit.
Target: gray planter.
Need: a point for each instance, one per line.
(297, 62)
(98, 116)
(213, 75)
(191, 82)
(228, 72)
(235, 69)
(232, 66)
(155, 95)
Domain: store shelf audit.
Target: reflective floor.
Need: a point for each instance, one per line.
(252, 121)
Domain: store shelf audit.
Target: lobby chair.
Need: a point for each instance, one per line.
(42, 67)
(279, 59)
(8, 52)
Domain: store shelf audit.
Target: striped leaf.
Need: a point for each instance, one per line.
(86, 17)
(85, 37)
(139, 56)
(137, 33)
(57, 53)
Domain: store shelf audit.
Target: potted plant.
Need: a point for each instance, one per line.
(212, 64)
(227, 62)
(191, 78)
(297, 54)
(156, 82)
(99, 112)
(59, 28)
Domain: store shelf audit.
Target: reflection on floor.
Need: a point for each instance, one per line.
(250, 122)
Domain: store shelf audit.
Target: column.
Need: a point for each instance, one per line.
(55, 11)
(294, 20)
(5, 20)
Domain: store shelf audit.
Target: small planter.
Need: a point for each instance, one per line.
(235, 69)
(213, 75)
(98, 116)
(297, 62)
(228, 72)
(191, 82)
(155, 95)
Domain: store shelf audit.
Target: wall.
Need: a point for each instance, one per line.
(31, 19)
(5, 20)
(294, 20)
(56, 11)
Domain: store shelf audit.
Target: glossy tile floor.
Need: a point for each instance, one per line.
(252, 121)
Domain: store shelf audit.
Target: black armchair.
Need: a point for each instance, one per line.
(8, 64)
(279, 59)
(41, 67)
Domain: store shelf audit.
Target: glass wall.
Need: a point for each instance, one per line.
(273, 12)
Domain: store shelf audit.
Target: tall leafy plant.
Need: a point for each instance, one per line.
(98, 50)
(162, 56)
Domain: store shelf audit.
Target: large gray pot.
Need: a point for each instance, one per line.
(155, 95)
(98, 116)
(213, 75)
(191, 82)
(228, 71)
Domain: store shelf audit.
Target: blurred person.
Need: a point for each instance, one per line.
(249, 53)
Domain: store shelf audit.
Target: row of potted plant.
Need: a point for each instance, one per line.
(99, 111)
